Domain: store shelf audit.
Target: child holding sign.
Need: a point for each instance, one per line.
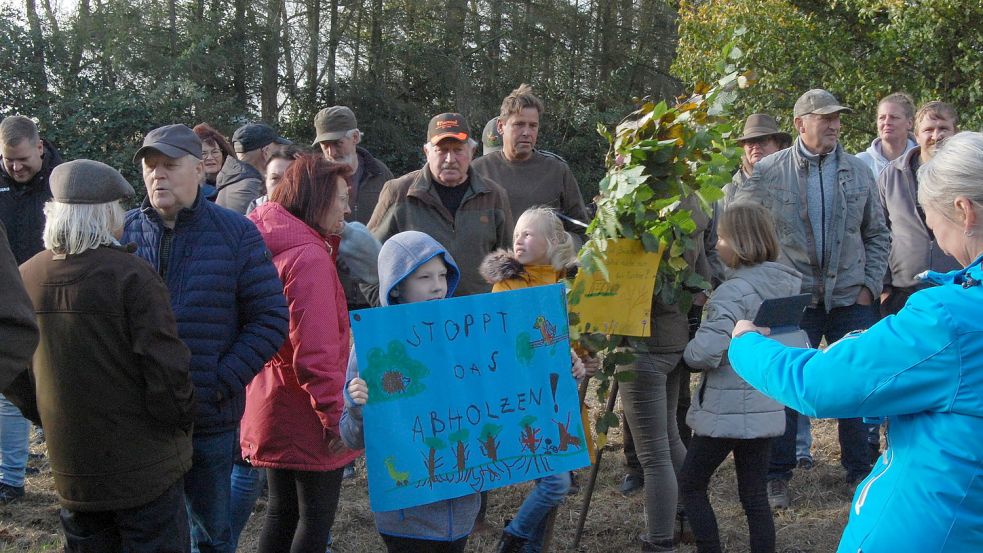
(542, 254)
(412, 267)
(727, 414)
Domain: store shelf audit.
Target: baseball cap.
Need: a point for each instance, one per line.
(448, 125)
(252, 136)
(84, 181)
(174, 141)
(333, 123)
(818, 101)
(491, 139)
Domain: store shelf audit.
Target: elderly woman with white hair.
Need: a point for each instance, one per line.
(922, 369)
(112, 385)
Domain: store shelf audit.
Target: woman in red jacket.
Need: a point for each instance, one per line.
(293, 406)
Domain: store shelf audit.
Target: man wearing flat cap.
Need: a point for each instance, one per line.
(254, 144)
(113, 389)
(761, 138)
(466, 212)
(831, 228)
(228, 303)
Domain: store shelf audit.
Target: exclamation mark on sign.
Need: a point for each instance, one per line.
(554, 380)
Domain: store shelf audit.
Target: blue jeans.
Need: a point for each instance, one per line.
(207, 492)
(14, 444)
(530, 521)
(854, 451)
(247, 484)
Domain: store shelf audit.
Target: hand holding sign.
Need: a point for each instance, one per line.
(466, 394)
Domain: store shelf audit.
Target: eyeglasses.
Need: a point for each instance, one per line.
(211, 153)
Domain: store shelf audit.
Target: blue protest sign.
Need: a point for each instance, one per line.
(467, 394)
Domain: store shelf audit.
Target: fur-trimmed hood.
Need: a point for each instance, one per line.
(501, 265)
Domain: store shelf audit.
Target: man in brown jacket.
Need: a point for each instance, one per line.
(112, 377)
(467, 213)
(529, 176)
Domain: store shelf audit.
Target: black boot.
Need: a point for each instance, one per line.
(509, 543)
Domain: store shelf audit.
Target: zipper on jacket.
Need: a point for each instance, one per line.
(862, 498)
(822, 208)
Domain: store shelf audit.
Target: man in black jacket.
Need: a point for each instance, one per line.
(27, 163)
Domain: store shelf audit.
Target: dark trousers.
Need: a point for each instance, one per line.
(160, 526)
(751, 461)
(854, 451)
(300, 511)
(396, 544)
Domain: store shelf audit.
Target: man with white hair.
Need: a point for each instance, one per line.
(339, 137)
(119, 431)
(467, 213)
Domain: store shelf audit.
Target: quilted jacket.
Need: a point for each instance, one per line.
(226, 296)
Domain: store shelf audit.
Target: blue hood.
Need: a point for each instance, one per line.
(403, 253)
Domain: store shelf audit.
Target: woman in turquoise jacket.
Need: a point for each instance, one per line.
(922, 369)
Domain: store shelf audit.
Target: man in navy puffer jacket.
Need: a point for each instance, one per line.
(229, 306)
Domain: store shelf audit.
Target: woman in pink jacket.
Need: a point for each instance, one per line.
(293, 406)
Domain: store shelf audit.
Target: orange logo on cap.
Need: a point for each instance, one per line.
(447, 124)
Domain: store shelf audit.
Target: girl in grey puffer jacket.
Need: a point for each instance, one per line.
(727, 414)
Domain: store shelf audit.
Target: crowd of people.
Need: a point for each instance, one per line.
(185, 354)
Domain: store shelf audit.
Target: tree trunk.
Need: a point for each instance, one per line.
(288, 56)
(239, 57)
(270, 62)
(38, 69)
(79, 43)
(454, 45)
(333, 37)
(377, 68)
(357, 47)
(313, 51)
(172, 27)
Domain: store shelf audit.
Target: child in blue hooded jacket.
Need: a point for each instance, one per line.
(412, 267)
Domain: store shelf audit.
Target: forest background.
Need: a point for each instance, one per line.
(98, 74)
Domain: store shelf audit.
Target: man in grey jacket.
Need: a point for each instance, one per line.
(913, 246)
(831, 225)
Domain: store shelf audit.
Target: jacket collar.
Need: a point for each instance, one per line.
(186, 215)
(803, 157)
(970, 276)
(423, 184)
(368, 163)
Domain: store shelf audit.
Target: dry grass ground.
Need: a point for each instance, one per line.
(813, 525)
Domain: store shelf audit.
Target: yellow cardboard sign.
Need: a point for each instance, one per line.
(621, 304)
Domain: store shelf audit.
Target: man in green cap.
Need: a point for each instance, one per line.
(830, 222)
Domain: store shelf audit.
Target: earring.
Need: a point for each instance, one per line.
(970, 233)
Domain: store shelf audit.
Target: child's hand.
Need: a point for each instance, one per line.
(591, 364)
(358, 390)
(576, 366)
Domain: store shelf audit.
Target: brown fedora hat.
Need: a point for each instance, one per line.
(761, 124)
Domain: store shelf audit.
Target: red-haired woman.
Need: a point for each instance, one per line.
(293, 406)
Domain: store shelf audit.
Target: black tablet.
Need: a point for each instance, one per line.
(782, 312)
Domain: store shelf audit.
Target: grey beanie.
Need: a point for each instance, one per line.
(84, 181)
